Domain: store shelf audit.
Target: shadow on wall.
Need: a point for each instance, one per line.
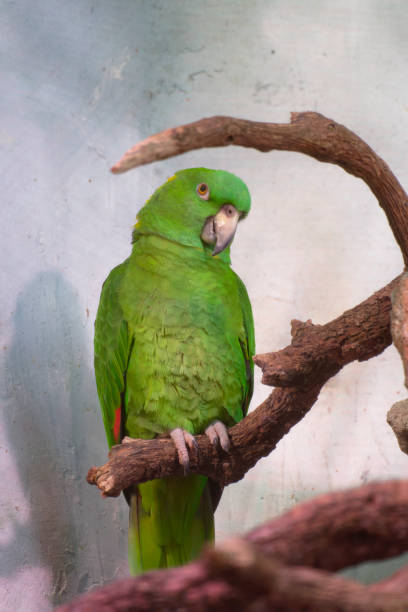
(47, 388)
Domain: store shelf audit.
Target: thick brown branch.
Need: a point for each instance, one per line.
(399, 321)
(364, 333)
(340, 529)
(320, 351)
(279, 565)
(308, 133)
(397, 419)
(397, 416)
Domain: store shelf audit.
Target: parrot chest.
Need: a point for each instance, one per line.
(186, 366)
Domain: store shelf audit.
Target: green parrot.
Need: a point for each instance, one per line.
(174, 340)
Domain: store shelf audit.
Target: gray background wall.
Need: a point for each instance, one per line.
(81, 82)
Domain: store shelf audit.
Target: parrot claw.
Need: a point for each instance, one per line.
(218, 434)
(182, 439)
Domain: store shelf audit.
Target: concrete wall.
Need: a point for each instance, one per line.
(81, 82)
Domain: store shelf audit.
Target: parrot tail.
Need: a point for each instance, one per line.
(170, 520)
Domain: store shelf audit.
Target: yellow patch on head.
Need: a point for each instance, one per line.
(171, 178)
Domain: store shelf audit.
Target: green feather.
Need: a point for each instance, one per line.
(174, 341)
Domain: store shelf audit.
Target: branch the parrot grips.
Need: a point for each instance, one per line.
(174, 341)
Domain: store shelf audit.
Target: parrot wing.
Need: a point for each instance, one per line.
(247, 341)
(112, 345)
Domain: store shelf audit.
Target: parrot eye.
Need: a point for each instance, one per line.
(203, 191)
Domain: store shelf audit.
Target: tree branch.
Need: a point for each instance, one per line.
(280, 564)
(397, 419)
(397, 416)
(309, 133)
(340, 529)
(399, 321)
(316, 354)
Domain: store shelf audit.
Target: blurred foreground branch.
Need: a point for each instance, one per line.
(284, 564)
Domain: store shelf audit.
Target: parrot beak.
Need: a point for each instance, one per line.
(220, 229)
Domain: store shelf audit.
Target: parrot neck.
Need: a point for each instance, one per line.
(175, 245)
(197, 246)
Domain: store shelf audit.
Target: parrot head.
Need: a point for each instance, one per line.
(196, 207)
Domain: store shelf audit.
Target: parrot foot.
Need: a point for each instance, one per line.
(182, 439)
(218, 434)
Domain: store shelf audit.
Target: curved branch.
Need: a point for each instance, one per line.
(309, 133)
(316, 354)
(279, 565)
